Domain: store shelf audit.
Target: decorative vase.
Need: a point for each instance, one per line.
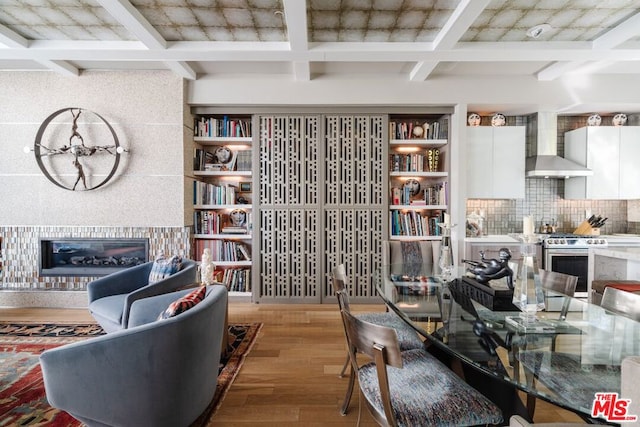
(445, 260)
(527, 292)
(206, 267)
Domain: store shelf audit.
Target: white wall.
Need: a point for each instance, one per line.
(146, 109)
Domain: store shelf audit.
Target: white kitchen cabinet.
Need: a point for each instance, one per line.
(495, 162)
(612, 154)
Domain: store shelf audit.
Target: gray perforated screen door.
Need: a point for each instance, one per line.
(320, 204)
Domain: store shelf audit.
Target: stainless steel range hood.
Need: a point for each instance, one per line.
(546, 163)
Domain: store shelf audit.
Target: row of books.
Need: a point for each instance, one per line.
(214, 222)
(204, 160)
(237, 279)
(207, 222)
(432, 194)
(223, 250)
(415, 162)
(205, 193)
(413, 223)
(407, 130)
(222, 127)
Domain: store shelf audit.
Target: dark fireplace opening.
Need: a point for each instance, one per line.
(90, 257)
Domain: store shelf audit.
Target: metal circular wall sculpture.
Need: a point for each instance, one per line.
(69, 160)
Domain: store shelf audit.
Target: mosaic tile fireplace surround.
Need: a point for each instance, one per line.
(21, 251)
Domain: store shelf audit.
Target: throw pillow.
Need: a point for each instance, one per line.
(164, 267)
(184, 303)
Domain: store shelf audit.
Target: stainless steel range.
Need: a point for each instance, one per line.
(569, 254)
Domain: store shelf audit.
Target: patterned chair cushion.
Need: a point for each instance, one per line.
(164, 267)
(569, 377)
(425, 392)
(407, 337)
(184, 303)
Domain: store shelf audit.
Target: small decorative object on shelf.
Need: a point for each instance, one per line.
(474, 119)
(412, 186)
(594, 120)
(498, 119)
(206, 267)
(238, 217)
(619, 119)
(418, 131)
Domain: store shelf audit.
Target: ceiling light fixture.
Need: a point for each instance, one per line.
(538, 30)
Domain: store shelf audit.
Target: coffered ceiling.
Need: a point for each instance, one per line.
(411, 39)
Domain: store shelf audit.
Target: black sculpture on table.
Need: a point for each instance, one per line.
(489, 269)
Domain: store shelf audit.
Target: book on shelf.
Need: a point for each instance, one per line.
(221, 250)
(234, 230)
(243, 162)
(244, 251)
(205, 193)
(414, 223)
(224, 126)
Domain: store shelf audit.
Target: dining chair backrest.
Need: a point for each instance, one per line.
(621, 302)
(339, 280)
(380, 343)
(559, 282)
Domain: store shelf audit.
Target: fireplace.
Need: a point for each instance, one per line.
(90, 257)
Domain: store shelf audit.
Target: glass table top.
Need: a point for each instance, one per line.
(562, 361)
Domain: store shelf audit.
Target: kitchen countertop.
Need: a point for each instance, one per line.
(632, 254)
(492, 238)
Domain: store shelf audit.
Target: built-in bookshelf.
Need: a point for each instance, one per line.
(418, 176)
(222, 198)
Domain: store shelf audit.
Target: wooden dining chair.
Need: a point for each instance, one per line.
(410, 387)
(407, 336)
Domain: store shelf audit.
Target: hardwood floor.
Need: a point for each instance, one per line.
(291, 375)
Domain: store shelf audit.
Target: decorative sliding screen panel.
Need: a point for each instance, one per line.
(353, 200)
(290, 246)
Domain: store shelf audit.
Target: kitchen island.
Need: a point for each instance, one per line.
(613, 264)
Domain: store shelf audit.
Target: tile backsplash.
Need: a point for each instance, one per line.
(545, 202)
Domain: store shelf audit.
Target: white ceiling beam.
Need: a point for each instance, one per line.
(609, 40)
(458, 23)
(14, 40)
(557, 69)
(124, 12)
(301, 70)
(10, 38)
(295, 13)
(182, 69)
(620, 34)
(341, 52)
(422, 70)
(61, 67)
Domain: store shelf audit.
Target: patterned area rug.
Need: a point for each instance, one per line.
(22, 397)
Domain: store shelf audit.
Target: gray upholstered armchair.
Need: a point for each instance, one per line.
(156, 373)
(111, 297)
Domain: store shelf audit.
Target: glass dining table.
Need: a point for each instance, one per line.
(499, 349)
